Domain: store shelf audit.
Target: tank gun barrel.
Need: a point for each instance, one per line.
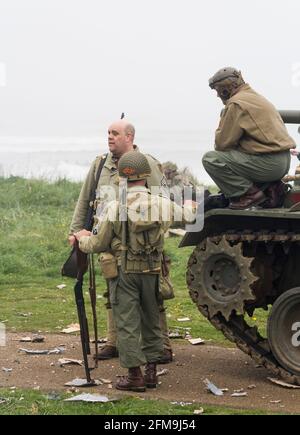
(290, 116)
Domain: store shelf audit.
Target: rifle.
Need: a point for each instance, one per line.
(75, 267)
(93, 298)
(82, 264)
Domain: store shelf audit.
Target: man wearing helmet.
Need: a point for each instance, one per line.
(136, 240)
(252, 145)
(121, 135)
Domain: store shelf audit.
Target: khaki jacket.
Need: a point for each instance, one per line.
(146, 213)
(251, 124)
(108, 187)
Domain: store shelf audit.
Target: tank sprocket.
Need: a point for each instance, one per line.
(221, 278)
(236, 329)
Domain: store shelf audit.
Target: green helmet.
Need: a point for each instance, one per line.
(134, 166)
(226, 76)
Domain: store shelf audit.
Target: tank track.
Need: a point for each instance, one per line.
(236, 329)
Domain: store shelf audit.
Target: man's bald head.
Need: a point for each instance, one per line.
(121, 137)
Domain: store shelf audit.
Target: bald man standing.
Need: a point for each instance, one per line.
(121, 136)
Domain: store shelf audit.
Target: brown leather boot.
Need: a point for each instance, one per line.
(166, 358)
(151, 378)
(253, 197)
(108, 352)
(133, 382)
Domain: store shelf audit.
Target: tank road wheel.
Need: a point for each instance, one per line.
(284, 330)
(219, 277)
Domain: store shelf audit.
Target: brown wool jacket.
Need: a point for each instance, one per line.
(251, 124)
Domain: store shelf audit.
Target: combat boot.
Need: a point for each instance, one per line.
(252, 198)
(166, 358)
(151, 379)
(108, 352)
(133, 382)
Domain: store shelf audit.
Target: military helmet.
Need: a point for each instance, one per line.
(226, 76)
(134, 166)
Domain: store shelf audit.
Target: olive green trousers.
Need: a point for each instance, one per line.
(112, 330)
(135, 308)
(234, 172)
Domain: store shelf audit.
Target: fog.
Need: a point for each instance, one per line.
(72, 66)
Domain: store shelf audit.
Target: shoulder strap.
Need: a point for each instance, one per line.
(91, 211)
(98, 175)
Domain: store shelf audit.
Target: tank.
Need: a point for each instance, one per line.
(249, 260)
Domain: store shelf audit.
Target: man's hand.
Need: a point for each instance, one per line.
(82, 233)
(72, 240)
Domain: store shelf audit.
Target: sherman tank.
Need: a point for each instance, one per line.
(249, 260)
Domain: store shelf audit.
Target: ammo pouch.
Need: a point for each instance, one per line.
(166, 288)
(109, 265)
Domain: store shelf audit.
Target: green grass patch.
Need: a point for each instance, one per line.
(36, 403)
(34, 223)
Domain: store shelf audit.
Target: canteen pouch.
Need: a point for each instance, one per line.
(109, 265)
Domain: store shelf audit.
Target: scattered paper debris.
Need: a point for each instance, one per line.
(184, 319)
(212, 388)
(81, 383)
(61, 286)
(199, 411)
(163, 372)
(196, 341)
(3, 401)
(251, 387)
(56, 351)
(177, 233)
(65, 362)
(275, 402)
(71, 329)
(105, 381)
(24, 314)
(34, 352)
(284, 384)
(177, 335)
(5, 370)
(91, 398)
(239, 395)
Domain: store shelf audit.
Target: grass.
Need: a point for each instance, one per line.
(36, 403)
(34, 220)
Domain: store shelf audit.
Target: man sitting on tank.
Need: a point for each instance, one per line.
(252, 144)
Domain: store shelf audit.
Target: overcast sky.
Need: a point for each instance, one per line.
(72, 66)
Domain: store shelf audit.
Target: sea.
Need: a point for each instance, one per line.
(53, 158)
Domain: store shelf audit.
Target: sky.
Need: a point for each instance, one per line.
(73, 66)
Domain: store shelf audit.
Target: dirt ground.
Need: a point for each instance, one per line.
(227, 368)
